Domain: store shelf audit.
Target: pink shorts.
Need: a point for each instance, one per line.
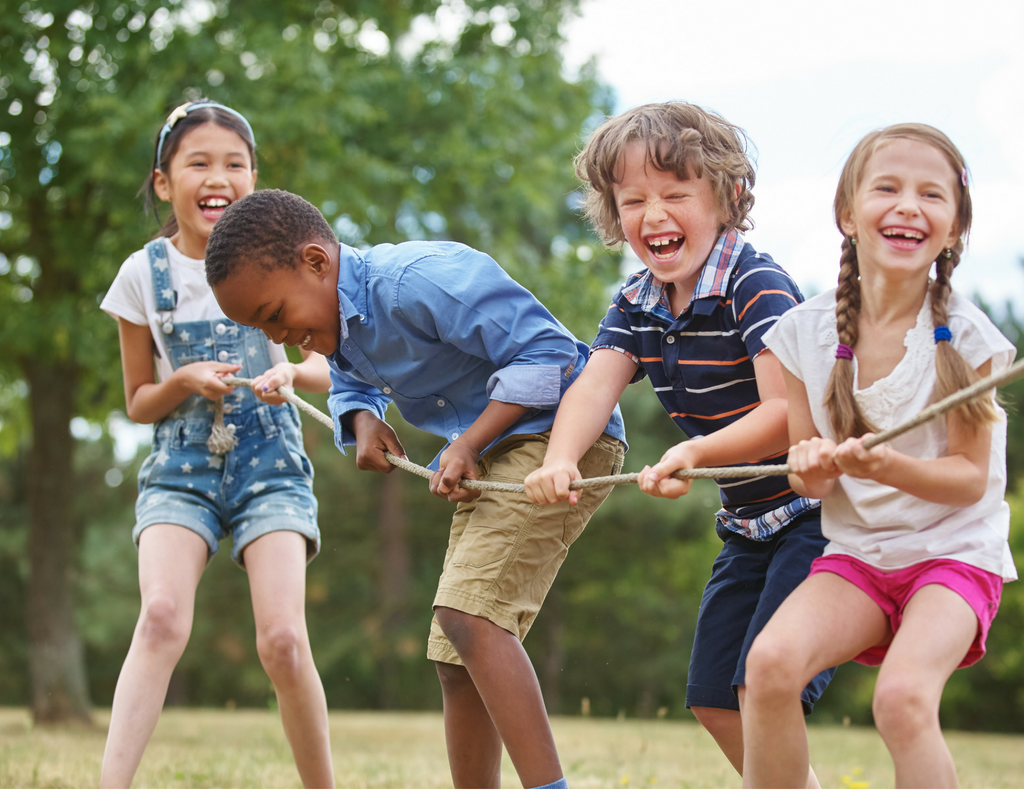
(893, 590)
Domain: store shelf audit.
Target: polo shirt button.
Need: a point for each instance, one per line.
(441, 403)
(223, 355)
(387, 390)
(220, 329)
(455, 436)
(167, 327)
(670, 339)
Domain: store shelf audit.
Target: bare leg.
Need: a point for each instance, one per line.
(171, 562)
(936, 632)
(474, 746)
(726, 727)
(825, 621)
(276, 563)
(507, 686)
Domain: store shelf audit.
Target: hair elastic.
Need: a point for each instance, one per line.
(942, 334)
(182, 111)
(844, 351)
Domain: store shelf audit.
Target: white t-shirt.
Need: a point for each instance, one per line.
(130, 298)
(883, 526)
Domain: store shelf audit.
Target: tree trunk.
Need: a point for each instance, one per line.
(553, 655)
(393, 581)
(56, 658)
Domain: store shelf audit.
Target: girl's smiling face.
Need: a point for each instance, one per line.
(210, 170)
(671, 224)
(904, 212)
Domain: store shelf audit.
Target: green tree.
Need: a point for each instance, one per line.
(400, 120)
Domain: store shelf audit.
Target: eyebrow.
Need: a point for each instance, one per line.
(259, 311)
(233, 154)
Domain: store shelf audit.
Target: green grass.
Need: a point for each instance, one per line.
(246, 749)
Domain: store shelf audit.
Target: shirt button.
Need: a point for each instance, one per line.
(222, 355)
(455, 436)
(221, 327)
(362, 318)
(670, 339)
(387, 390)
(228, 408)
(441, 403)
(167, 327)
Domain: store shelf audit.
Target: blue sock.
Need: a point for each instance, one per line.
(561, 783)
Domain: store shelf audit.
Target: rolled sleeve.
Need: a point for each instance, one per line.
(533, 385)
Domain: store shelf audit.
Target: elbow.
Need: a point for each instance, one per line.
(971, 493)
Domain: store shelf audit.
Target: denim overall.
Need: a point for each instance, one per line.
(264, 483)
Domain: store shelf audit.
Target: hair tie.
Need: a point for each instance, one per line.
(844, 351)
(942, 334)
(183, 111)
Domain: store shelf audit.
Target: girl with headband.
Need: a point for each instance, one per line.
(176, 345)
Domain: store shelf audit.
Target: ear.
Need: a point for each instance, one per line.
(161, 185)
(846, 223)
(954, 235)
(252, 187)
(315, 257)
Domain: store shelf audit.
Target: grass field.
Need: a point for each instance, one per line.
(247, 749)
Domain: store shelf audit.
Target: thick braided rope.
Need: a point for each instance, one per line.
(1008, 375)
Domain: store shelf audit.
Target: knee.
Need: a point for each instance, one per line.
(715, 721)
(901, 708)
(454, 679)
(281, 648)
(461, 629)
(771, 670)
(164, 624)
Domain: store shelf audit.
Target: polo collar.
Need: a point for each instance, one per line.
(644, 290)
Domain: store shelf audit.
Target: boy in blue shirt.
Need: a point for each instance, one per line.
(470, 355)
(674, 182)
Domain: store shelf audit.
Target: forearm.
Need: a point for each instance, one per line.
(313, 374)
(151, 402)
(760, 434)
(950, 481)
(496, 418)
(582, 416)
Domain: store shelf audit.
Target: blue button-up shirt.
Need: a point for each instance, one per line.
(441, 330)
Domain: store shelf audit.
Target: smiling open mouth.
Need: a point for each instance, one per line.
(213, 207)
(906, 236)
(666, 246)
(305, 342)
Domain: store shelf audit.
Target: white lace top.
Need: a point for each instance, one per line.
(887, 528)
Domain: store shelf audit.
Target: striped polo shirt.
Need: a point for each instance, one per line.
(701, 363)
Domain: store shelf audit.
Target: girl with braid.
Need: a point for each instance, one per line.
(912, 575)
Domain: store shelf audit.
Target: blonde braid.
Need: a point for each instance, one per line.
(845, 415)
(951, 370)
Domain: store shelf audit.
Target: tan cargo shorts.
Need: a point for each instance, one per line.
(504, 551)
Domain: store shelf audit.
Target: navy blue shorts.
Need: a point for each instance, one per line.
(749, 580)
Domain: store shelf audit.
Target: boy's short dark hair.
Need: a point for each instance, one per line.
(265, 228)
(681, 138)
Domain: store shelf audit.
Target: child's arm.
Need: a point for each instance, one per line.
(958, 479)
(810, 457)
(582, 416)
(149, 401)
(458, 461)
(313, 374)
(757, 435)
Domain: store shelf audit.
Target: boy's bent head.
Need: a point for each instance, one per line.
(266, 232)
(273, 264)
(680, 138)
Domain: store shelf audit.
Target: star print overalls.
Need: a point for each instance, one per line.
(265, 483)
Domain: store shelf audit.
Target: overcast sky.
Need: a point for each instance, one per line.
(807, 80)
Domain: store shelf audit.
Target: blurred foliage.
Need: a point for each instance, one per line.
(399, 119)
